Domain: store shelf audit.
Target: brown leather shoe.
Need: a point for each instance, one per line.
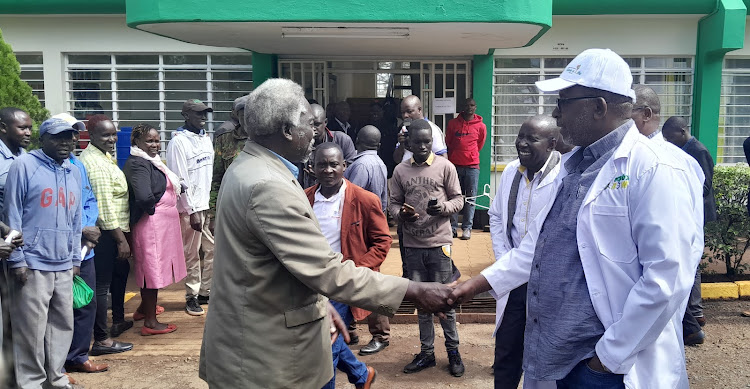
(71, 380)
(87, 367)
(371, 374)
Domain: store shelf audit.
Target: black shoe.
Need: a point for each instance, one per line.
(420, 362)
(375, 346)
(193, 308)
(116, 347)
(353, 340)
(455, 364)
(455, 234)
(118, 328)
(695, 338)
(203, 300)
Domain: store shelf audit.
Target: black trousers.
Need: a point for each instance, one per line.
(83, 319)
(509, 341)
(111, 277)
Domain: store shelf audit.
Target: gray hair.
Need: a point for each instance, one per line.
(273, 106)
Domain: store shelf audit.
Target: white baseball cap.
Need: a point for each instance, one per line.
(594, 68)
(73, 122)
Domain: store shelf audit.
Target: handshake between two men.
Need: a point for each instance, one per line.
(436, 298)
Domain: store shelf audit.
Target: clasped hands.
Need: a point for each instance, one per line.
(438, 298)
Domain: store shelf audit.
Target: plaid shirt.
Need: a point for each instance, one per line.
(110, 188)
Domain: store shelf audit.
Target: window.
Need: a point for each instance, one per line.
(515, 97)
(134, 88)
(734, 119)
(32, 72)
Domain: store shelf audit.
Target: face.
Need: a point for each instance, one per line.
(319, 125)
(302, 136)
(533, 146)
(104, 136)
(149, 142)
(574, 117)
(18, 131)
(329, 167)
(196, 119)
(59, 146)
(420, 143)
(410, 111)
(470, 107)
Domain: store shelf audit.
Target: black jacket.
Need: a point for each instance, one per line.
(146, 186)
(698, 151)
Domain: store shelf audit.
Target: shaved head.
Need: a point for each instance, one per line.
(546, 125)
(318, 110)
(411, 108)
(368, 138)
(676, 131)
(646, 110)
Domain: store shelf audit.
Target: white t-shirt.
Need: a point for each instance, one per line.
(438, 142)
(328, 213)
(191, 157)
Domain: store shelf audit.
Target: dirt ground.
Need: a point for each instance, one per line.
(721, 362)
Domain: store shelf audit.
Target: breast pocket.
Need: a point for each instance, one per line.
(611, 229)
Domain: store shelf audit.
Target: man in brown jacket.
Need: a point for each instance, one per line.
(269, 324)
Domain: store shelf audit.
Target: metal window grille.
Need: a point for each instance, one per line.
(32, 72)
(734, 117)
(516, 98)
(134, 88)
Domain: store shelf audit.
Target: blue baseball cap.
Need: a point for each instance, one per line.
(55, 126)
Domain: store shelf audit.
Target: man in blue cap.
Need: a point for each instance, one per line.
(43, 201)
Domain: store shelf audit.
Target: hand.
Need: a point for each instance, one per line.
(402, 138)
(123, 250)
(20, 273)
(408, 214)
(337, 325)
(91, 234)
(195, 222)
(436, 210)
(429, 296)
(6, 249)
(596, 365)
(17, 241)
(466, 291)
(183, 187)
(4, 230)
(212, 225)
(76, 271)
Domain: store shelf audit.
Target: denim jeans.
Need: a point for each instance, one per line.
(432, 265)
(343, 358)
(468, 178)
(583, 377)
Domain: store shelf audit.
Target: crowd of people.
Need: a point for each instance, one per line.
(597, 232)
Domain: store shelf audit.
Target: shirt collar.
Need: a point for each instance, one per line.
(293, 169)
(691, 140)
(344, 126)
(429, 160)
(366, 152)
(7, 153)
(523, 169)
(653, 134)
(601, 147)
(188, 132)
(335, 197)
(100, 153)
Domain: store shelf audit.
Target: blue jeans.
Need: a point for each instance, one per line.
(468, 178)
(343, 358)
(583, 377)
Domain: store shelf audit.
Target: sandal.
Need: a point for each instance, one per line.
(145, 331)
(139, 316)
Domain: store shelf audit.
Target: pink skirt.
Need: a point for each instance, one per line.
(157, 245)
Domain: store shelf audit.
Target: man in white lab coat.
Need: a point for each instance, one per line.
(610, 268)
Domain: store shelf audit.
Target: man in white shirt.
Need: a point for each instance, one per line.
(526, 186)
(411, 110)
(190, 154)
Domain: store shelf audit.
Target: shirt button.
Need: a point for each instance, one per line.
(535, 320)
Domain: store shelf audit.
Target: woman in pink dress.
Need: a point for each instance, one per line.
(155, 225)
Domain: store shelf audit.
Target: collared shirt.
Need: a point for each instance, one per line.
(528, 202)
(430, 159)
(328, 212)
(438, 142)
(110, 188)
(6, 159)
(369, 172)
(191, 157)
(562, 327)
(653, 134)
(344, 126)
(292, 168)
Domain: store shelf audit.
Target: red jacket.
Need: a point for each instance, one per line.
(465, 139)
(365, 236)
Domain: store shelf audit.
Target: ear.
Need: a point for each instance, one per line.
(184, 115)
(600, 108)
(3, 128)
(287, 132)
(648, 114)
(552, 144)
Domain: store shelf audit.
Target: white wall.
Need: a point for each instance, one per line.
(54, 35)
(666, 35)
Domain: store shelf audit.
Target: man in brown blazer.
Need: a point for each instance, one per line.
(269, 325)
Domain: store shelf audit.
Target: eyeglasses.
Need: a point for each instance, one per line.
(560, 101)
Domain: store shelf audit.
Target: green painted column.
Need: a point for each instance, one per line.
(483, 69)
(718, 33)
(264, 67)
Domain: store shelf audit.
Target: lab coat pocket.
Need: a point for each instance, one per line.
(611, 229)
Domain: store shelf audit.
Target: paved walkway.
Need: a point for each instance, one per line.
(470, 256)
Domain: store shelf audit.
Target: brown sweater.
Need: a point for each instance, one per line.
(414, 185)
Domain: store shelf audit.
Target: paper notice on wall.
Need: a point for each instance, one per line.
(444, 105)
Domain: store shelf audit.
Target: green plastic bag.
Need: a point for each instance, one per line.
(82, 294)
